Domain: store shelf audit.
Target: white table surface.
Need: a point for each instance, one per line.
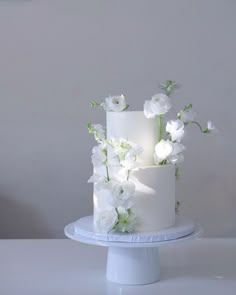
(203, 266)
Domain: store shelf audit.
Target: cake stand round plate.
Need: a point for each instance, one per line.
(133, 259)
(84, 227)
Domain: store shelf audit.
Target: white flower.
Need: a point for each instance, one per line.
(114, 103)
(131, 157)
(187, 116)
(127, 221)
(211, 128)
(127, 153)
(100, 181)
(122, 193)
(99, 132)
(148, 111)
(178, 148)
(106, 220)
(95, 178)
(99, 155)
(176, 156)
(159, 105)
(119, 147)
(163, 150)
(176, 129)
(103, 184)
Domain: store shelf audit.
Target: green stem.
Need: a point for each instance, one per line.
(159, 126)
(107, 171)
(128, 174)
(200, 127)
(177, 174)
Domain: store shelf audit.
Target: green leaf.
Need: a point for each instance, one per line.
(94, 104)
(187, 107)
(89, 127)
(168, 86)
(177, 206)
(177, 174)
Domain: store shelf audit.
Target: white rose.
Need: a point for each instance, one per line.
(122, 193)
(163, 150)
(99, 155)
(176, 156)
(187, 116)
(176, 129)
(106, 220)
(114, 103)
(159, 105)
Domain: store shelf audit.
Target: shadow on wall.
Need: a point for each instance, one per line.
(19, 221)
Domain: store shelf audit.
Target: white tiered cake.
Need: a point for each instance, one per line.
(136, 162)
(154, 197)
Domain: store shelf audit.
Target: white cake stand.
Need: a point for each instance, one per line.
(133, 259)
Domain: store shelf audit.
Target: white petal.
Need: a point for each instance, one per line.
(187, 116)
(106, 220)
(163, 150)
(148, 111)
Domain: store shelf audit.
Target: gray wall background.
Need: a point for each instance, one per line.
(55, 56)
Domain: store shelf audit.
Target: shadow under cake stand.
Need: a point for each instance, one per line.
(133, 259)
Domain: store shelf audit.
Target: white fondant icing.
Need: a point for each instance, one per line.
(135, 127)
(154, 202)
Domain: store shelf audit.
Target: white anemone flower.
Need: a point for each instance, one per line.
(115, 103)
(106, 220)
(160, 104)
(122, 194)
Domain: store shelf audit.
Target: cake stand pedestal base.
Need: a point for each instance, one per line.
(133, 266)
(133, 259)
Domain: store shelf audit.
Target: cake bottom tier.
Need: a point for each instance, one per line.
(153, 202)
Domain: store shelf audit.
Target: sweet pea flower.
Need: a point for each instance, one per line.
(99, 132)
(96, 178)
(187, 116)
(176, 129)
(159, 105)
(210, 128)
(99, 154)
(132, 156)
(115, 103)
(125, 151)
(177, 156)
